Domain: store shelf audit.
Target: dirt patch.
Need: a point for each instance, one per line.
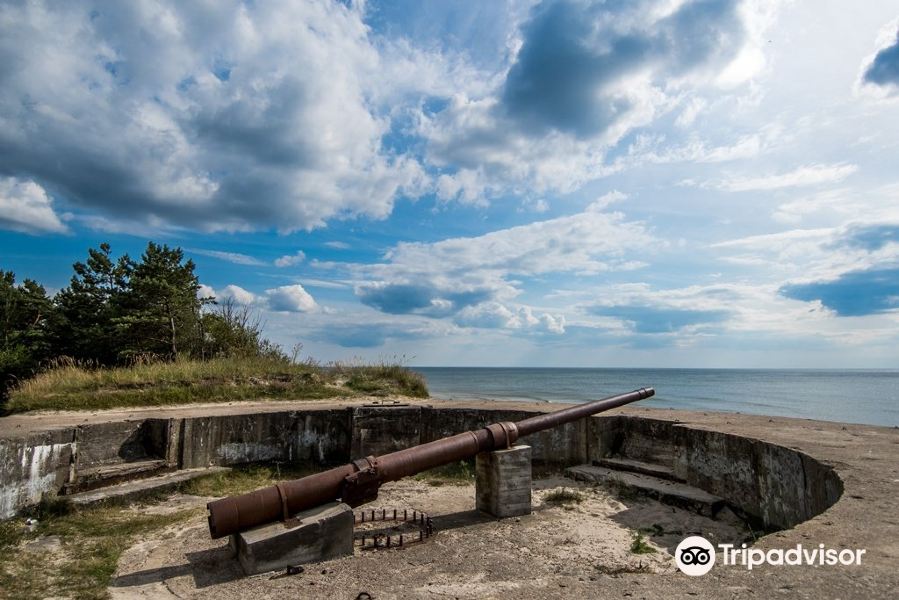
(558, 546)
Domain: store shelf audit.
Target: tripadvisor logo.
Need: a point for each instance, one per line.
(696, 556)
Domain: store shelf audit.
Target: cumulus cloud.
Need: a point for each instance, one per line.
(236, 294)
(440, 279)
(290, 260)
(290, 298)
(586, 73)
(25, 206)
(494, 315)
(216, 116)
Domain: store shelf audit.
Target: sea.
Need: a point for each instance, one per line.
(852, 396)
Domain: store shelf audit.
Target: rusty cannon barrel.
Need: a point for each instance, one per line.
(358, 482)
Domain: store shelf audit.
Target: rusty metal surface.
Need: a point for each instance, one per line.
(358, 482)
(385, 537)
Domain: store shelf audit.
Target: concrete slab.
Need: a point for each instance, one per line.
(106, 475)
(315, 535)
(503, 482)
(669, 492)
(638, 466)
(140, 487)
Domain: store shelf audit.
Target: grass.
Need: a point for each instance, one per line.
(564, 496)
(459, 473)
(386, 380)
(241, 479)
(93, 539)
(69, 386)
(639, 545)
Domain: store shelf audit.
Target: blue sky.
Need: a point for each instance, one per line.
(678, 183)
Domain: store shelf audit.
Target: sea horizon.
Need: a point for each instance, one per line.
(805, 393)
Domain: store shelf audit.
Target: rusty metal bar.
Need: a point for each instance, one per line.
(358, 482)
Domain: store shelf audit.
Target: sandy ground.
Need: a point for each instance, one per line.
(549, 553)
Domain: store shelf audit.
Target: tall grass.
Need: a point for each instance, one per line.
(71, 386)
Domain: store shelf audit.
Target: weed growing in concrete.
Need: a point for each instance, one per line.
(639, 545)
(458, 473)
(564, 496)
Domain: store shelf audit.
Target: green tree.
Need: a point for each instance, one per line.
(26, 315)
(91, 306)
(231, 329)
(161, 312)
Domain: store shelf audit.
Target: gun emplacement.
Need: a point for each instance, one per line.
(358, 482)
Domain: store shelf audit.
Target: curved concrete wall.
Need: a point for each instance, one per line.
(778, 486)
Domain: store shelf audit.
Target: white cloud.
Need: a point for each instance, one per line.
(519, 137)
(216, 116)
(337, 245)
(25, 206)
(236, 294)
(231, 257)
(495, 315)
(808, 175)
(475, 280)
(589, 242)
(290, 298)
(290, 260)
(205, 291)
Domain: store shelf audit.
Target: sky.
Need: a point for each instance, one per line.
(587, 183)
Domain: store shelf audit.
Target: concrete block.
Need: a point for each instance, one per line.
(318, 534)
(503, 482)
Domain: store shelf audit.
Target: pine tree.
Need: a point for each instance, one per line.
(91, 305)
(161, 310)
(26, 315)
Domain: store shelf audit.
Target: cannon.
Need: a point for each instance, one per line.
(357, 482)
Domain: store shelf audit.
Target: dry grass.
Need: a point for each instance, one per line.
(91, 542)
(457, 473)
(93, 539)
(69, 386)
(564, 496)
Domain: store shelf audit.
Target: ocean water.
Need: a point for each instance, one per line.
(857, 396)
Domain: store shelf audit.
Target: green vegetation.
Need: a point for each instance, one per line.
(135, 333)
(68, 386)
(458, 473)
(92, 540)
(639, 545)
(242, 479)
(564, 496)
(384, 380)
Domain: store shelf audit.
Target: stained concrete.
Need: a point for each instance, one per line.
(315, 535)
(503, 482)
(133, 490)
(669, 492)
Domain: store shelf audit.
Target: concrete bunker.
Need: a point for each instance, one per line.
(774, 486)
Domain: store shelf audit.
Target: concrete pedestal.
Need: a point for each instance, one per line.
(503, 484)
(317, 534)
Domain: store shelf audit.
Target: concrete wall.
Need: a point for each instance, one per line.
(779, 486)
(32, 467)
